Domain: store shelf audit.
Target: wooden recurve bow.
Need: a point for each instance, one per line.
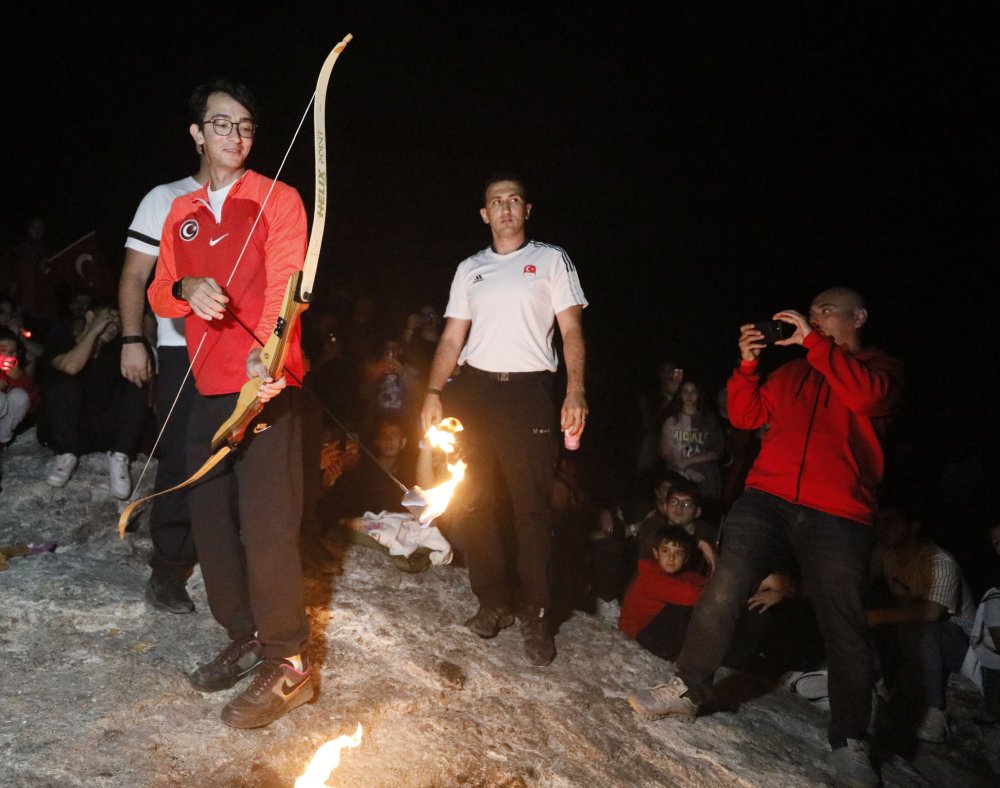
(298, 294)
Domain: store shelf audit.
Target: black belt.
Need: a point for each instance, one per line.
(503, 377)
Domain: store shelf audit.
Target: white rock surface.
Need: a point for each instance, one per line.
(94, 690)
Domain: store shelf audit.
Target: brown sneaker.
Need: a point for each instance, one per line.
(233, 663)
(489, 620)
(276, 689)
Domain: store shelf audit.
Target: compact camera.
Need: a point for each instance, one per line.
(773, 330)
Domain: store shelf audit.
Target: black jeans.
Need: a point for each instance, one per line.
(918, 658)
(95, 410)
(170, 524)
(509, 432)
(245, 515)
(833, 555)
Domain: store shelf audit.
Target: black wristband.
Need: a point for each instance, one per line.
(433, 391)
(176, 291)
(133, 339)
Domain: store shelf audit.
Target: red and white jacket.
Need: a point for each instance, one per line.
(195, 244)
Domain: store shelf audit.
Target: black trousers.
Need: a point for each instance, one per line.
(509, 439)
(833, 554)
(96, 410)
(245, 516)
(174, 554)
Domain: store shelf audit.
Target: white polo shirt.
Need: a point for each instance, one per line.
(144, 236)
(512, 300)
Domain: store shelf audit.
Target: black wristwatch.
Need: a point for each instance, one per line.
(176, 292)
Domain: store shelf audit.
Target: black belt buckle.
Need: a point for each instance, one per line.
(503, 377)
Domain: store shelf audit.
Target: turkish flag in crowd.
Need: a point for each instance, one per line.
(81, 266)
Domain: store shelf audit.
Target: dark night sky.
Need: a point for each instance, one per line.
(703, 163)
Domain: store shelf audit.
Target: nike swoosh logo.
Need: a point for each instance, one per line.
(259, 428)
(214, 241)
(288, 689)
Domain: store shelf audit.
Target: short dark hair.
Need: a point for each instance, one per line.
(496, 177)
(198, 103)
(390, 420)
(688, 488)
(101, 302)
(674, 534)
(664, 474)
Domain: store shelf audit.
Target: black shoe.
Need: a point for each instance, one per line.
(276, 689)
(170, 597)
(489, 620)
(233, 663)
(539, 645)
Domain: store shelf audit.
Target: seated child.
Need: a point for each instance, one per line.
(658, 604)
(18, 391)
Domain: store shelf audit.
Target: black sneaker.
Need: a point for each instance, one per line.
(232, 664)
(276, 689)
(489, 620)
(168, 596)
(539, 645)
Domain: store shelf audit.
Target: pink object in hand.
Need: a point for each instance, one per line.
(571, 441)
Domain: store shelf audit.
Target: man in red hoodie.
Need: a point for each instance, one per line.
(227, 252)
(810, 495)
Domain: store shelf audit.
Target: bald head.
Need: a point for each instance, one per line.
(839, 313)
(847, 295)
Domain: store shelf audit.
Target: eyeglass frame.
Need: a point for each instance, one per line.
(233, 124)
(683, 503)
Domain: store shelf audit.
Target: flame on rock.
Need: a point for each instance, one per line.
(442, 436)
(326, 759)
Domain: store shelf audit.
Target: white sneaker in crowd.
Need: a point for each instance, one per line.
(934, 726)
(853, 766)
(61, 470)
(607, 610)
(813, 685)
(119, 479)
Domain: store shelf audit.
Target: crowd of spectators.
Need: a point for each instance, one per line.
(646, 529)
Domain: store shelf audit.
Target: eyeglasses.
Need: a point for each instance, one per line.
(681, 503)
(224, 127)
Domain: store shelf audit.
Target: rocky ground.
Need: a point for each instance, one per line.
(94, 690)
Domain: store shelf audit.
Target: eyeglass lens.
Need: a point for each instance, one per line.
(224, 127)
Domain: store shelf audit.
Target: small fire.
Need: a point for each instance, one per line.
(326, 759)
(442, 436)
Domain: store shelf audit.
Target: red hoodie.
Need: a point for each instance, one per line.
(826, 417)
(652, 590)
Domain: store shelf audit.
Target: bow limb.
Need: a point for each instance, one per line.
(319, 138)
(210, 463)
(298, 294)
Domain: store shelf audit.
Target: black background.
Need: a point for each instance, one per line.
(705, 164)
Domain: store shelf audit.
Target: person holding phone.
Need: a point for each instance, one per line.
(18, 391)
(810, 495)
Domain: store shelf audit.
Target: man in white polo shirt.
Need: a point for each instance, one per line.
(504, 305)
(170, 525)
